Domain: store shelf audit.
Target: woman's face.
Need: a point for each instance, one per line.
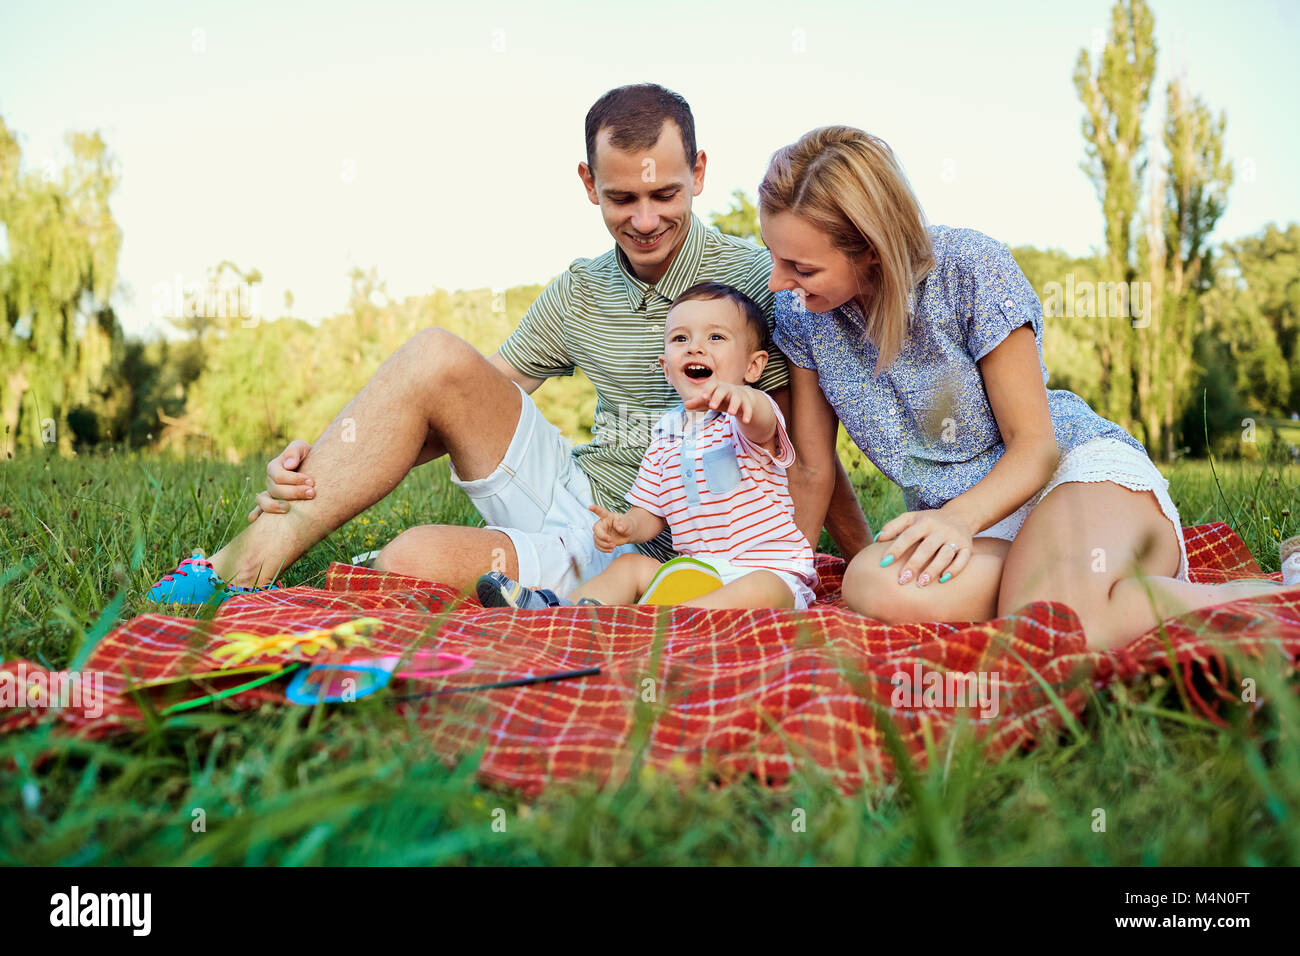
(803, 260)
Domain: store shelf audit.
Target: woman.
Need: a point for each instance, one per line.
(926, 342)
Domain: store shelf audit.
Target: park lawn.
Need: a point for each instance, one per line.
(269, 788)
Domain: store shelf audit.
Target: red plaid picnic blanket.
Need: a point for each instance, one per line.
(740, 692)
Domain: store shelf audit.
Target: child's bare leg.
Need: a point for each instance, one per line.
(756, 589)
(622, 582)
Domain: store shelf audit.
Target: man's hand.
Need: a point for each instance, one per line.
(283, 482)
(612, 530)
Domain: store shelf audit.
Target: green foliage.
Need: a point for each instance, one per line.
(1148, 372)
(740, 219)
(1068, 341)
(1212, 423)
(58, 270)
(265, 383)
(1114, 97)
(1254, 309)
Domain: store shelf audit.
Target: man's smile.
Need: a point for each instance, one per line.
(648, 244)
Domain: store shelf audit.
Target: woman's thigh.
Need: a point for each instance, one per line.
(1081, 539)
(971, 595)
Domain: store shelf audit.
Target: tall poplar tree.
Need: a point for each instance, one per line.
(1115, 96)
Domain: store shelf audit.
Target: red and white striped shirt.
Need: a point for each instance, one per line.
(721, 494)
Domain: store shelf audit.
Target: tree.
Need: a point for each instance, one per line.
(1149, 363)
(1253, 310)
(58, 271)
(740, 219)
(1115, 97)
(1196, 194)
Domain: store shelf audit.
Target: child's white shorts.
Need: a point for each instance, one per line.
(803, 594)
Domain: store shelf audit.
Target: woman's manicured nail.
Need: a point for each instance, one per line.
(905, 577)
(311, 492)
(925, 579)
(943, 578)
(887, 560)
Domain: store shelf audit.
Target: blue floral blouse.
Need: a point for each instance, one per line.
(925, 422)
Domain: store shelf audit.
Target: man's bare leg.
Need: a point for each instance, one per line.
(435, 395)
(449, 554)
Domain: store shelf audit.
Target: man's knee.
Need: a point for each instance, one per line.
(401, 555)
(456, 384)
(420, 550)
(874, 592)
(446, 359)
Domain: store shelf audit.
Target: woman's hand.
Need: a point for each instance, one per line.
(943, 545)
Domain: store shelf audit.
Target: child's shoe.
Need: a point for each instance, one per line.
(1290, 549)
(497, 590)
(195, 582)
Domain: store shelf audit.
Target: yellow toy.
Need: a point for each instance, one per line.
(680, 579)
(240, 646)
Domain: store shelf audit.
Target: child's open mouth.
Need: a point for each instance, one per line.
(697, 371)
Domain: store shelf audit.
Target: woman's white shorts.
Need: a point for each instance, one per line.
(1102, 459)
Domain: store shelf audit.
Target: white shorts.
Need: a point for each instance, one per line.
(1102, 459)
(803, 594)
(539, 497)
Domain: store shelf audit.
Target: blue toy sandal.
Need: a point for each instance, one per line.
(195, 582)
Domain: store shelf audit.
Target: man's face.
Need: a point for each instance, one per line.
(708, 341)
(805, 261)
(645, 198)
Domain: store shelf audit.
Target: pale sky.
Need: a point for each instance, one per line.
(440, 141)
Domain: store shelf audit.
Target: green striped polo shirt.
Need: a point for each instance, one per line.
(599, 317)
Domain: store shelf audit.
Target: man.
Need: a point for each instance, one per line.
(437, 395)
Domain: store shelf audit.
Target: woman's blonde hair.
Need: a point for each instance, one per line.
(847, 184)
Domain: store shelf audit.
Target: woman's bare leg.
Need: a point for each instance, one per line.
(971, 595)
(1110, 554)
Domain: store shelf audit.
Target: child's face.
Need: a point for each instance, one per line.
(712, 339)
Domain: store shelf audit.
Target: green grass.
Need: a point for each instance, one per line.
(81, 539)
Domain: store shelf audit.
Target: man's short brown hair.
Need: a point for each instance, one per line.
(754, 318)
(635, 117)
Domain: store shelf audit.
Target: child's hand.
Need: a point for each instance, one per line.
(739, 399)
(612, 530)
